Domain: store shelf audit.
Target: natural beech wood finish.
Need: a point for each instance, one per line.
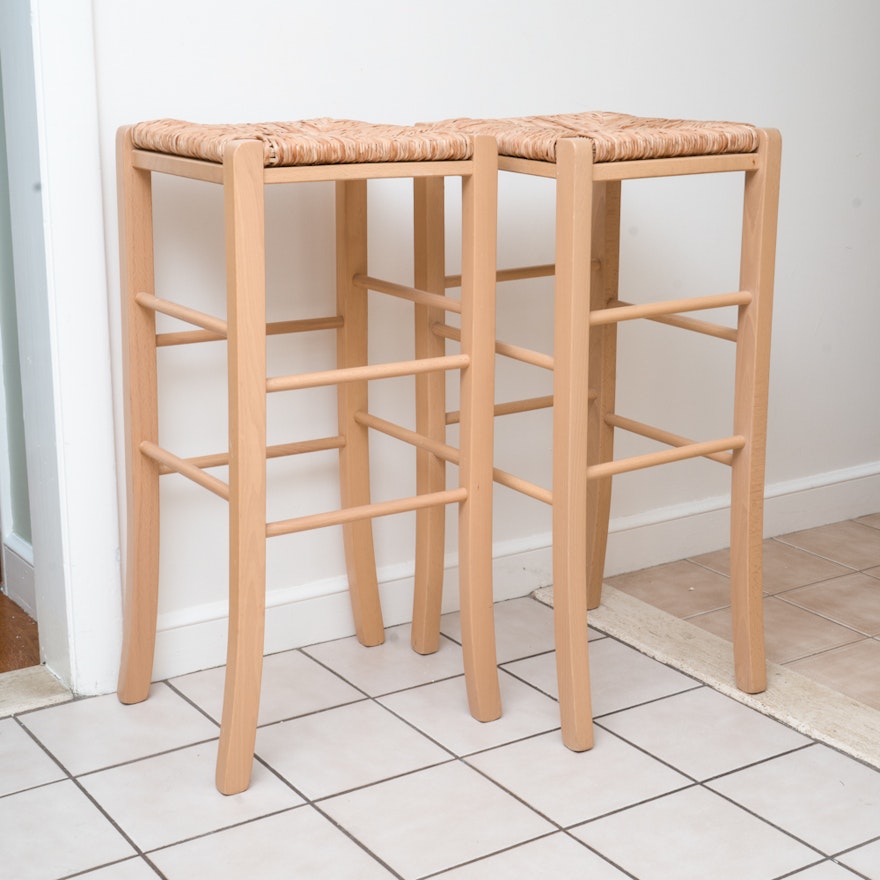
(758, 262)
(587, 312)
(141, 425)
(246, 304)
(429, 260)
(243, 177)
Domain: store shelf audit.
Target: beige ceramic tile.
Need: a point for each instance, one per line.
(620, 676)
(865, 860)
(171, 797)
(435, 819)
(703, 733)
(292, 685)
(24, 763)
(874, 572)
(790, 632)
(570, 787)
(296, 843)
(785, 567)
(694, 835)
(131, 869)
(317, 753)
(817, 794)
(441, 711)
(852, 670)
(391, 666)
(86, 735)
(853, 601)
(850, 543)
(678, 588)
(54, 831)
(556, 856)
(872, 520)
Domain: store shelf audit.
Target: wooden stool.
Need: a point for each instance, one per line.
(243, 159)
(589, 155)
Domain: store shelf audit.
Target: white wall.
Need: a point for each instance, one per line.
(808, 69)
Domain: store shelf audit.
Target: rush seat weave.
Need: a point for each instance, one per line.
(616, 137)
(306, 142)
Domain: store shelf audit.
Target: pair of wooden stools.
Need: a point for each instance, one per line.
(588, 154)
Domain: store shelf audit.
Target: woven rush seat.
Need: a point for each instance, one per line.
(589, 157)
(616, 137)
(307, 142)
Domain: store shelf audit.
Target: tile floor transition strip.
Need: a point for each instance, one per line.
(31, 688)
(801, 703)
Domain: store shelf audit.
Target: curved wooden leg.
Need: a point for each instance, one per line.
(574, 191)
(243, 191)
(141, 423)
(603, 369)
(479, 201)
(354, 457)
(429, 245)
(750, 415)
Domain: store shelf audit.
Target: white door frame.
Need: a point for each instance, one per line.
(48, 58)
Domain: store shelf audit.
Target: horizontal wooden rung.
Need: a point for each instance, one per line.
(666, 456)
(175, 464)
(667, 437)
(616, 314)
(511, 407)
(182, 313)
(516, 352)
(544, 271)
(364, 511)
(277, 328)
(708, 328)
(524, 487)
(420, 441)
(281, 450)
(367, 373)
(412, 294)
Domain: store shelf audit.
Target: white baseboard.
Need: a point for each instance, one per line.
(18, 575)
(196, 639)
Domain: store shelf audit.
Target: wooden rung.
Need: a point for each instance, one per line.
(174, 464)
(543, 271)
(420, 441)
(182, 313)
(675, 167)
(505, 409)
(672, 306)
(652, 433)
(274, 329)
(366, 373)
(450, 454)
(413, 294)
(694, 450)
(524, 487)
(706, 327)
(282, 450)
(516, 352)
(364, 511)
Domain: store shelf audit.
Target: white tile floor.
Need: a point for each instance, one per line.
(370, 767)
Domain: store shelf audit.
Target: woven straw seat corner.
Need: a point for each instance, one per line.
(616, 137)
(306, 142)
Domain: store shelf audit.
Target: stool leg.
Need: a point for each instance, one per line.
(245, 250)
(430, 271)
(354, 456)
(750, 414)
(603, 370)
(141, 423)
(574, 191)
(479, 208)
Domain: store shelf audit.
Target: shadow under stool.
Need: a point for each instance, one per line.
(589, 155)
(243, 160)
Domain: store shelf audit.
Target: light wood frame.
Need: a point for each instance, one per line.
(587, 311)
(243, 179)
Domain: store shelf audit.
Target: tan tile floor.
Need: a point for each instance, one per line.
(369, 765)
(822, 606)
